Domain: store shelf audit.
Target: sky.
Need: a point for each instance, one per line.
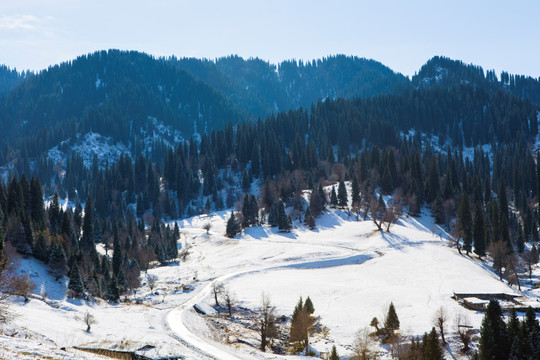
(402, 34)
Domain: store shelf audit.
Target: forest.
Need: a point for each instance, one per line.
(461, 148)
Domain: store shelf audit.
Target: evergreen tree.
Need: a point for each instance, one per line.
(333, 354)
(333, 197)
(113, 289)
(465, 222)
(493, 334)
(37, 210)
(316, 203)
(308, 306)
(57, 260)
(233, 228)
(479, 231)
(87, 240)
(392, 321)
(273, 215)
(431, 347)
(284, 221)
(117, 253)
(75, 281)
(355, 192)
(520, 243)
(342, 195)
(433, 186)
(309, 220)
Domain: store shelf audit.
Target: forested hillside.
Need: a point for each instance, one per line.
(262, 88)
(462, 149)
(443, 72)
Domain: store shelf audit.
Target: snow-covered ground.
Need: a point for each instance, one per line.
(350, 271)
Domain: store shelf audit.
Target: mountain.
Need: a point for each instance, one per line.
(263, 88)
(9, 79)
(444, 72)
(114, 93)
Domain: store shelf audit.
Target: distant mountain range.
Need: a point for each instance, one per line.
(114, 92)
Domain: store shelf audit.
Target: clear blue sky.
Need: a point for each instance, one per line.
(404, 34)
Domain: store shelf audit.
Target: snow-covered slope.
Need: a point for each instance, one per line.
(350, 271)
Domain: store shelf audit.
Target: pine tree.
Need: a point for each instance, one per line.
(75, 281)
(113, 289)
(309, 220)
(433, 186)
(342, 195)
(465, 223)
(333, 354)
(333, 197)
(308, 306)
(284, 220)
(57, 260)
(37, 210)
(431, 346)
(273, 215)
(316, 203)
(392, 321)
(233, 228)
(355, 192)
(87, 240)
(493, 334)
(117, 253)
(479, 231)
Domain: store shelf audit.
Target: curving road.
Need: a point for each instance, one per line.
(175, 319)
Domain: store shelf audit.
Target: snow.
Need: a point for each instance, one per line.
(87, 146)
(350, 271)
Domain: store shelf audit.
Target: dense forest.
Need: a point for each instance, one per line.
(462, 150)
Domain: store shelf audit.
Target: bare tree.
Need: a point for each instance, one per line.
(499, 252)
(217, 289)
(377, 211)
(229, 300)
(88, 319)
(363, 346)
(531, 258)
(456, 239)
(464, 330)
(12, 283)
(439, 320)
(512, 268)
(393, 210)
(266, 322)
(207, 226)
(184, 253)
(152, 280)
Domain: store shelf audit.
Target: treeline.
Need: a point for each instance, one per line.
(66, 238)
(444, 72)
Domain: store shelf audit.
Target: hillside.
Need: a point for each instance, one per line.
(350, 271)
(444, 72)
(262, 88)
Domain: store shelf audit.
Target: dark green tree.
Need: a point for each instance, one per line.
(75, 284)
(57, 260)
(493, 334)
(479, 231)
(464, 222)
(87, 239)
(392, 321)
(118, 256)
(233, 227)
(333, 197)
(342, 195)
(333, 354)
